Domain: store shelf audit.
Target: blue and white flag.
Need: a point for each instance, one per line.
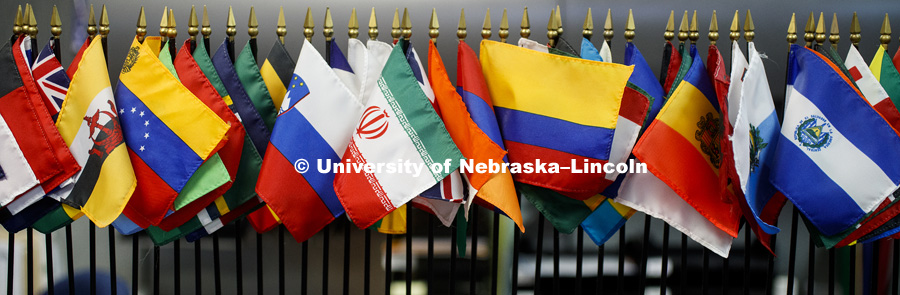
(837, 157)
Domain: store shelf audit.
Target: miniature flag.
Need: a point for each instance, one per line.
(51, 78)
(251, 78)
(254, 124)
(869, 84)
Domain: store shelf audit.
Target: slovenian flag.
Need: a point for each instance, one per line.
(836, 158)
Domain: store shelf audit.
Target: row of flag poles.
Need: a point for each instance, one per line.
(192, 139)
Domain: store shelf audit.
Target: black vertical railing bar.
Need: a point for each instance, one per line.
(155, 270)
(684, 267)
(408, 253)
(792, 251)
(217, 266)
(198, 268)
(747, 271)
(473, 255)
(538, 255)
(326, 245)
(664, 269)
(48, 240)
(304, 267)
(451, 287)
(29, 261)
(112, 259)
(705, 285)
(429, 268)
(725, 274)
(579, 254)
(515, 258)
(281, 260)
(135, 248)
(347, 257)
(555, 261)
(10, 267)
(770, 270)
(811, 272)
(620, 277)
(70, 258)
(599, 282)
(876, 253)
(831, 257)
(259, 264)
(495, 252)
(645, 246)
(895, 278)
(851, 285)
(388, 251)
(92, 249)
(238, 257)
(367, 262)
(176, 274)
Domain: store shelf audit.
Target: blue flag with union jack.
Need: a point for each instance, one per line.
(51, 78)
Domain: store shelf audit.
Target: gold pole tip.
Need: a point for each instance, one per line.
(17, 27)
(433, 26)
(205, 29)
(252, 24)
(713, 29)
(885, 31)
(749, 32)
(461, 28)
(683, 28)
(792, 29)
(503, 33)
(373, 25)
(308, 25)
(835, 36)
(629, 27)
(173, 31)
(230, 24)
(164, 23)
(694, 34)
(735, 29)
(407, 25)
(820, 28)
(486, 26)
(353, 25)
(55, 23)
(608, 32)
(670, 27)
(328, 26)
(525, 27)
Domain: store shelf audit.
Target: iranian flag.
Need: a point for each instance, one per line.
(398, 125)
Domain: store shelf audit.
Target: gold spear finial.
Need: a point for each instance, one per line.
(308, 25)
(141, 30)
(504, 27)
(205, 28)
(281, 26)
(230, 25)
(373, 25)
(809, 32)
(735, 27)
(328, 27)
(792, 29)
(695, 29)
(558, 18)
(855, 30)
(55, 23)
(24, 25)
(486, 27)
(433, 26)
(670, 27)
(629, 27)
(17, 26)
(587, 30)
(163, 23)
(885, 32)
(835, 36)
(749, 33)
(608, 32)
(407, 25)
(820, 29)
(32, 23)
(92, 24)
(396, 32)
(552, 29)
(525, 27)
(252, 24)
(173, 31)
(193, 24)
(461, 29)
(713, 29)
(683, 28)
(103, 29)
(353, 25)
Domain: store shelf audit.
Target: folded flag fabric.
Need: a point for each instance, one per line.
(884, 70)
(575, 127)
(276, 73)
(400, 115)
(832, 134)
(51, 78)
(73, 66)
(869, 84)
(241, 101)
(249, 74)
(315, 122)
(171, 132)
(263, 219)
(392, 224)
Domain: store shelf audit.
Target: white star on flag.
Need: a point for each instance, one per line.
(133, 109)
(142, 148)
(146, 123)
(146, 135)
(142, 113)
(121, 111)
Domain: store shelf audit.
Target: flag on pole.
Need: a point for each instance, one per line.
(254, 124)
(869, 84)
(832, 134)
(252, 81)
(73, 66)
(314, 124)
(51, 78)
(672, 62)
(167, 144)
(402, 116)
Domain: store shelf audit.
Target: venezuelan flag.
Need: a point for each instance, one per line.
(568, 122)
(683, 147)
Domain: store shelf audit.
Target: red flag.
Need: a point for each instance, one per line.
(263, 219)
(672, 70)
(70, 71)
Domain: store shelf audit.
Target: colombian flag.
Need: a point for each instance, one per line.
(562, 124)
(683, 147)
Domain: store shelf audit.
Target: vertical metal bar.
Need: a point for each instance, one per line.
(326, 246)
(304, 267)
(495, 252)
(198, 268)
(176, 257)
(49, 248)
(430, 266)
(155, 270)
(792, 251)
(725, 275)
(259, 264)
(347, 227)
(664, 270)
(555, 261)
(831, 257)
(408, 252)
(135, 248)
(684, 266)
(238, 257)
(620, 279)
(579, 255)
(112, 260)
(852, 284)
(217, 268)
(515, 260)
(388, 253)
(453, 253)
(704, 287)
(539, 253)
(896, 273)
(29, 260)
(642, 283)
(770, 271)
(10, 266)
(811, 281)
(473, 255)
(747, 242)
(281, 260)
(600, 256)
(367, 262)
(70, 258)
(876, 252)
(93, 256)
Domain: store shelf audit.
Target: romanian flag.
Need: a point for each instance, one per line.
(171, 132)
(575, 127)
(683, 147)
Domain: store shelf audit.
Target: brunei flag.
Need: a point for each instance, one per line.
(836, 158)
(171, 132)
(576, 127)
